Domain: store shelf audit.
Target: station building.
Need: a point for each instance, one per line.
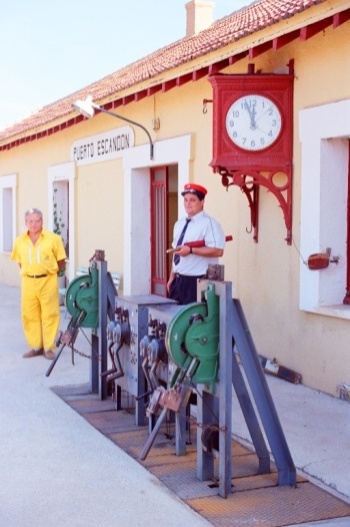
(113, 182)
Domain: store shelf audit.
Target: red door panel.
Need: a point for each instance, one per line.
(159, 230)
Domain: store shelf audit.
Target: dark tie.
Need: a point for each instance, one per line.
(179, 241)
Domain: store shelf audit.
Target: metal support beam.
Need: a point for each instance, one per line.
(106, 308)
(218, 405)
(262, 397)
(250, 417)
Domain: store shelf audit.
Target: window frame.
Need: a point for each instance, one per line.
(324, 133)
(8, 182)
(63, 172)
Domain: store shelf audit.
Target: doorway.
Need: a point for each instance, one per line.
(164, 206)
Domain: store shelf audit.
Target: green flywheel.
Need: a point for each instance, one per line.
(82, 296)
(192, 339)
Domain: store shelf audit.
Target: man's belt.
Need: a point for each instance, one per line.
(36, 275)
(178, 275)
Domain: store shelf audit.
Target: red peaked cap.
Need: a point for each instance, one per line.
(192, 188)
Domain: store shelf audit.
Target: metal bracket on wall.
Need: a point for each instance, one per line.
(278, 182)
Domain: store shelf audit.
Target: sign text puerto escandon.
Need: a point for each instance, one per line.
(102, 147)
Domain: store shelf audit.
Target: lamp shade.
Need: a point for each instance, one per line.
(86, 107)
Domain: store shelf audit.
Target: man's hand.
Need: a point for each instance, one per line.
(61, 265)
(183, 250)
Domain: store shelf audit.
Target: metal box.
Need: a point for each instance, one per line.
(132, 312)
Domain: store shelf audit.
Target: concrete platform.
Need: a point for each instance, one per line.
(255, 498)
(58, 469)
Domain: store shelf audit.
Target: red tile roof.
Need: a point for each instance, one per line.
(227, 30)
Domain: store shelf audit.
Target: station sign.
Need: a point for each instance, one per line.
(102, 147)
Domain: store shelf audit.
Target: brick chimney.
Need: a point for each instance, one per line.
(199, 16)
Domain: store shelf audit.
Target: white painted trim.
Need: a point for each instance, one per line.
(64, 172)
(9, 181)
(324, 134)
(136, 167)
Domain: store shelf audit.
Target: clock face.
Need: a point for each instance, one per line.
(253, 122)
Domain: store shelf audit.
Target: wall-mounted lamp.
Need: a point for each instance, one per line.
(88, 107)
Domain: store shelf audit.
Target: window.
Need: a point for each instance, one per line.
(61, 211)
(61, 207)
(7, 212)
(325, 133)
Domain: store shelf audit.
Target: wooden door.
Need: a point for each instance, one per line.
(159, 230)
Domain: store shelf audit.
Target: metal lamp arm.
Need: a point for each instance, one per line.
(97, 107)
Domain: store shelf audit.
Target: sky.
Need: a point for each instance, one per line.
(52, 48)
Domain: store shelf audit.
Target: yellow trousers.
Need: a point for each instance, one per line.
(40, 311)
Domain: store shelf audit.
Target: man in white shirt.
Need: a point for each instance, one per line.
(191, 262)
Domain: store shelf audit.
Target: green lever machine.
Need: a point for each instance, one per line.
(210, 343)
(90, 300)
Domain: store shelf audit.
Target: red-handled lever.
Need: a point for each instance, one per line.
(198, 243)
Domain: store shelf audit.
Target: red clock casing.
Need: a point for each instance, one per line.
(251, 167)
(229, 88)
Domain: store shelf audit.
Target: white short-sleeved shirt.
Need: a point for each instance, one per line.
(201, 227)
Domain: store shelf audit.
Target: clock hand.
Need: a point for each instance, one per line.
(264, 113)
(248, 109)
(262, 131)
(267, 133)
(253, 122)
(251, 115)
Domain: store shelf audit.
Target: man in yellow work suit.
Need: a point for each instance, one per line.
(40, 255)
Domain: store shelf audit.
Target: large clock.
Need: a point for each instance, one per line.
(253, 137)
(253, 122)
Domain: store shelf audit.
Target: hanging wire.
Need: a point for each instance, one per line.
(297, 249)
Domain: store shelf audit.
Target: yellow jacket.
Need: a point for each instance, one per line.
(40, 258)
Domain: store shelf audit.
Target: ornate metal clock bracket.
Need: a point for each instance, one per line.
(250, 181)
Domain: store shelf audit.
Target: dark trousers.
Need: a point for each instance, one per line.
(183, 289)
